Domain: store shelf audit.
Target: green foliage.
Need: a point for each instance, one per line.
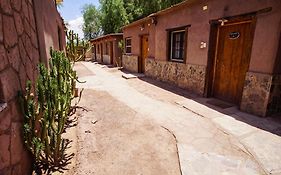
(92, 22)
(46, 113)
(76, 49)
(114, 14)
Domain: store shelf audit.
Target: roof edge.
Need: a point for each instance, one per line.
(108, 35)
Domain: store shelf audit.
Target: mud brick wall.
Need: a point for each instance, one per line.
(130, 63)
(19, 57)
(22, 47)
(187, 76)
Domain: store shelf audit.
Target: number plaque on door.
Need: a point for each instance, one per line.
(234, 35)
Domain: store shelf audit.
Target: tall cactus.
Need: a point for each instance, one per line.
(76, 49)
(47, 111)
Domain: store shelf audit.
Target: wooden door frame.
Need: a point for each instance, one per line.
(140, 57)
(213, 46)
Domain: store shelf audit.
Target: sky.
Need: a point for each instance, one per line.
(71, 13)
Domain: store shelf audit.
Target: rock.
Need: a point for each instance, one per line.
(10, 32)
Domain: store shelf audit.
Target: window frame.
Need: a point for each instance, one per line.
(170, 34)
(128, 46)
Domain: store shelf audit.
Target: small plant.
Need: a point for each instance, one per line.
(46, 113)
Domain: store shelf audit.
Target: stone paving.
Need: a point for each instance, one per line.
(210, 140)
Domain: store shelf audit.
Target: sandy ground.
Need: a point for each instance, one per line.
(142, 126)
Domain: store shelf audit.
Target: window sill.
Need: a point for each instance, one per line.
(3, 106)
(177, 61)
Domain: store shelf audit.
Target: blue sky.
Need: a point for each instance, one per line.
(71, 12)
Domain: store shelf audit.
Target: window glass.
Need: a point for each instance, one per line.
(128, 45)
(177, 45)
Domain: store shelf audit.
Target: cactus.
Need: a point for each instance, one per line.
(76, 49)
(46, 112)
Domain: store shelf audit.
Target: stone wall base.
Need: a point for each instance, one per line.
(261, 94)
(130, 63)
(187, 76)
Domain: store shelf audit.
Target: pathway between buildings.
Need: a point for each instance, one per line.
(135, 127)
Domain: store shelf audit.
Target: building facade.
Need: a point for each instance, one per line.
(28, 28)
(106, 49)
(229, 50)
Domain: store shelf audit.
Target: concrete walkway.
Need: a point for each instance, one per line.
(209, 140)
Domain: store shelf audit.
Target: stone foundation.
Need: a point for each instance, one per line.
(130, 63)
(256, 93)
(187, 76)
(99, 58)
(274, 104)
(106, 59)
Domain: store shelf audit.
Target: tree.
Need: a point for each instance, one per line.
(113, 16)
(92, 23)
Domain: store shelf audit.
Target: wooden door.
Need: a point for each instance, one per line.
(234, 42)
(144, 53)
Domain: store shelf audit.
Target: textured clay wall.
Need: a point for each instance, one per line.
(266, 39)
(19, 57)
(50, 27)
(103, 56)
(135, 32)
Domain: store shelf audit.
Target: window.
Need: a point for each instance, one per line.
(177, 45)
(128, 45)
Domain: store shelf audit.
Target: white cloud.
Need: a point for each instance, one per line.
(76, 25)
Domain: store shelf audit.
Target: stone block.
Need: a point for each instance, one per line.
(1, 29)
(14, 57)
(256, 93)
(16, 5)
(32, 18)
(3, 58)
(17, 143)
(19, 23)
(10, 32)
(130, 63)
(6, 6)
(11, 89)
(5, 119)
(27, 27)
(25, 10)
(4, 151)
(16, 113)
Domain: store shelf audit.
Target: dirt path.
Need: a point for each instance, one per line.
(114, 139)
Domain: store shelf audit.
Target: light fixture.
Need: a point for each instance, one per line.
(222, 21)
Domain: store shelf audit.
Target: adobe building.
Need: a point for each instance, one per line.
(230, 50)
(27, 31)
(106, 49)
